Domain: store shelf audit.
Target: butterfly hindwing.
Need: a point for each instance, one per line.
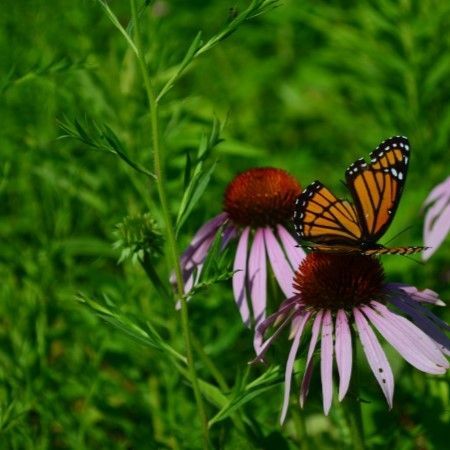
(377, 187)
(320, 217)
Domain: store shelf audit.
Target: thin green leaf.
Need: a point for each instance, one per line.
(269, 379)
(115, 21)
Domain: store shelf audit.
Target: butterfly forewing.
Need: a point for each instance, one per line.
(377, 187)
(321, 217)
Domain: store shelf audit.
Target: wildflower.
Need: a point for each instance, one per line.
(257, 205)
(437, 220)
(337, 293)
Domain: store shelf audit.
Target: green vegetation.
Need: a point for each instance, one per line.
(92, 349)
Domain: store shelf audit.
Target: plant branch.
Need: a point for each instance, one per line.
(169, 229)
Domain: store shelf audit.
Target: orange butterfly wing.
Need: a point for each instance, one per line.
(376, 188)
(322, 218)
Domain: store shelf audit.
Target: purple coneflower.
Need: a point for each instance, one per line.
(337, 293)
(437, 220)
(258, 204)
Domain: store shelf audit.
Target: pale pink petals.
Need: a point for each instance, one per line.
(257, 279)
(437, 219)
(344, 352)
(302, 319)
(412, 343)
(304, 389)
(257, 276)
(240, 275)
(280, 266)
(326, 361)
(375, 356)
(294, 253)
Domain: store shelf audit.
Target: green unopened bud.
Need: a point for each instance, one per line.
(137, 236)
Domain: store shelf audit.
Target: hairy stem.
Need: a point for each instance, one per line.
(169, 229)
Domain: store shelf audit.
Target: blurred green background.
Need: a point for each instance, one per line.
(308, 87)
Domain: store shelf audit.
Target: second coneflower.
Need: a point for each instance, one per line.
(339, 293)
(258, 204)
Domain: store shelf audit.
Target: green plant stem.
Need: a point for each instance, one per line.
(352, 405)
(169, 229)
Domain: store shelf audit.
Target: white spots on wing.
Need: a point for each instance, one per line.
(387, 147)
(407, 147)
(394, 172)
(400, 176)
(310, 194)
(406, 160)
(386, 170)
(363, 165)
(373, 160)
(380, 154)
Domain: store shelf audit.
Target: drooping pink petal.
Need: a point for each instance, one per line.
(280, 266)
(436, 229)
(194, 264)
(263, 346)
(344, 352)
(424, 323)
(375, 356)
(442, 189)
(240, 276)
(304, 389)
(192, 259)
(257, 276)
(326, 361)
(412, 343)
(411, 300)
(290, 363)
(294, 253)
(209, 228)
(229, 233)
(425, 296)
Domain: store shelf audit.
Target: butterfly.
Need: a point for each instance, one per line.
(335, 225)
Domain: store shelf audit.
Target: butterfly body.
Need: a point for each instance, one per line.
(335, 225)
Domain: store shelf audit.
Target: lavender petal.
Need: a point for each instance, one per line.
(240, 275)
(294, 253)
(280, 266)
(290, 364)
(257, 276)
(344, 352)
(375, 356)
(412, 343)
(304, 389)
(326, 361)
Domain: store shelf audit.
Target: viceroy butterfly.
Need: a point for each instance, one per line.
(337, 226)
